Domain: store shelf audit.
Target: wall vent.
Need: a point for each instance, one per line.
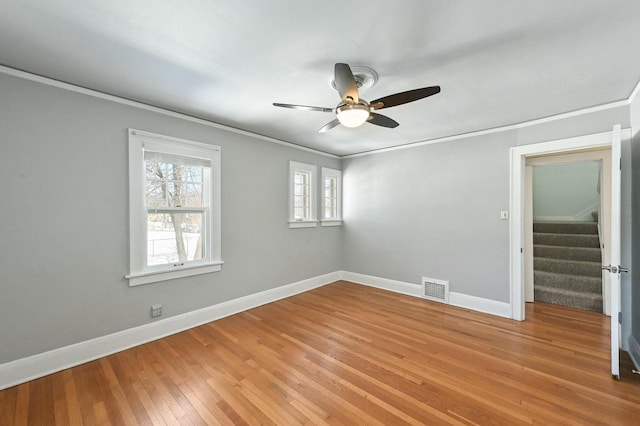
(437, 290)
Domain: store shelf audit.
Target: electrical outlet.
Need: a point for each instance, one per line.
(156, 310)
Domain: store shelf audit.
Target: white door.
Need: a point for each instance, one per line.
(614, 267)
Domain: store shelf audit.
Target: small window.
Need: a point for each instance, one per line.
(331, 197)
(174, 192)
(302, 194)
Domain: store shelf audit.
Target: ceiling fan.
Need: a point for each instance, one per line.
(353, 111)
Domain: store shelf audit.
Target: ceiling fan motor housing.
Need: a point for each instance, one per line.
(365, 78)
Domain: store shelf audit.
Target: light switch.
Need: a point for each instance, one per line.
(504, 214)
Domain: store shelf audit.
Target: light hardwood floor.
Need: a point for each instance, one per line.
(349, 354)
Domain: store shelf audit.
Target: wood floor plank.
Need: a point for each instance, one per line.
(74, 412)
(346, 354)
(60, 407)
(21, 409)
(8, 404)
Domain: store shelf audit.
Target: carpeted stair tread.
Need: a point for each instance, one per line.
(566, 264)
(566, 240)
(572, 267)
(575, 299)
(566, 227)
(567, 282)
(589, 254)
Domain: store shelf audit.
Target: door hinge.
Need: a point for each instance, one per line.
(619, 317)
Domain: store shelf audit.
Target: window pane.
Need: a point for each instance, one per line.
(174, 238)
(301, 192)
(330, 212)
(330, 182)
(330, 197)
(190, 195)
(300, 202)
(174, 185)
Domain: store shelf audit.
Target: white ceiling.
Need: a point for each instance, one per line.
(498, 62)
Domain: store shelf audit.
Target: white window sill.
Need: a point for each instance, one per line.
(164, 275)
(336, 222)
(303, 223)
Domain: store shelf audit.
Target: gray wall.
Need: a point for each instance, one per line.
(64, 221)
(434, 210)
(566, 191)
(626, 244)
(633, 302)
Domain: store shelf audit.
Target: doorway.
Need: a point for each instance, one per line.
(519, 155)
(568, 202)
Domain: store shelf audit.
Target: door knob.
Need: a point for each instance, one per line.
(614, 269)
(610, 268)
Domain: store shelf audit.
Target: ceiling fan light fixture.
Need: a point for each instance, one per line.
(352, 115)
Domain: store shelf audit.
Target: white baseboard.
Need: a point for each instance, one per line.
(25, 369)
(634, 351)
(582, 216)
(383, 283)
(585, 214)
(480, 304)
(554, 219)
(501, 309)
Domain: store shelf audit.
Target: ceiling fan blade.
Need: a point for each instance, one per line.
(330, 125)
(346, 83)
(382, 120)
(405, 97)
(304, 107)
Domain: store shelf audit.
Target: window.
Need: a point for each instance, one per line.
(302, 194)
(331, 197)
(174, 217)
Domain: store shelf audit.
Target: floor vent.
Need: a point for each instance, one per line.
(437, 290)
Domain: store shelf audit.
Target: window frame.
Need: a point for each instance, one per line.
(310, 169)
(337, 175)
(139, 272)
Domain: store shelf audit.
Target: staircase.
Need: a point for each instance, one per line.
(566, 264)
